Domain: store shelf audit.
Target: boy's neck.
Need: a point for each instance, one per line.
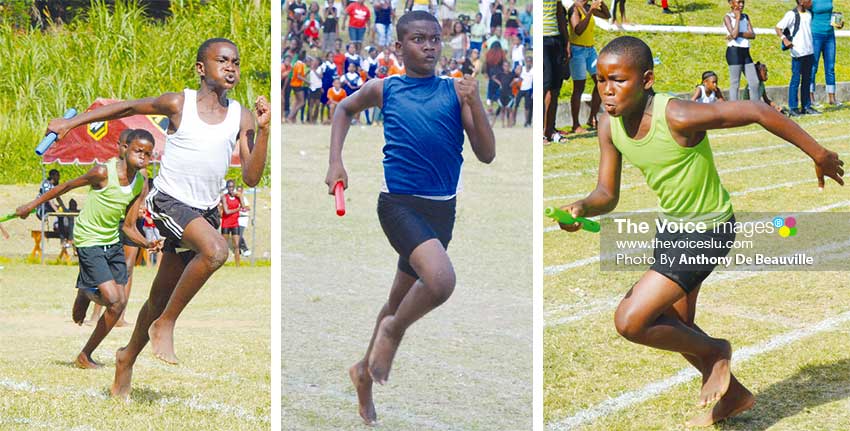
(635, 117)
(208, 94)
(124, 171)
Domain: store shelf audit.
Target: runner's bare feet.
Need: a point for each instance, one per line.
(359, 374)
(386, 344)
(719, 376)
(162, 341)
(81, 305)
(86, 362)
(123, 375)
(578, 130)
(736, 401)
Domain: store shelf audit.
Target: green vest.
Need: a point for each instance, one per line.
(684, 179)
(100, 219)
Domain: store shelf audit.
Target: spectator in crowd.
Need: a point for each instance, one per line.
(357, 16)
(525, 90)
(795, 32)
(761, 68)
(477, 33)
(823, 44)
(583, 59)
(446, 15)
(556, 54)
(383, 22)
(330, 29)
(459, 41)
(708, 91)
(739, 31)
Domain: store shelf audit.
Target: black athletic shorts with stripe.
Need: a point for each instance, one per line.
(171, 217)
(408, 221)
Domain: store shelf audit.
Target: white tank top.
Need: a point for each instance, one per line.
(706, 98)
(743, 24)
(198, 154)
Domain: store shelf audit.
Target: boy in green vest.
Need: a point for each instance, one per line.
(113, 195)
(666, 139)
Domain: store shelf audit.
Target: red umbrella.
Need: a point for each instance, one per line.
(98, 142)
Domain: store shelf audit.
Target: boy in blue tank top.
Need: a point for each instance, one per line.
(424, 120)
(205, 126)
(657, 133)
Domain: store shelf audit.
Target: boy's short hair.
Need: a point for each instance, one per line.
(708, 74)
(122, 137)
(53, 172)
(202, 50)
(140, 134)
(632, 48)
(406, 19)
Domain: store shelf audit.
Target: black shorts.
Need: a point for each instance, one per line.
(690, 276)
(737, 56)
(172, 216)
(556, 68)
(230, 231)
(315, 94)
(99, 264)
(408, 221)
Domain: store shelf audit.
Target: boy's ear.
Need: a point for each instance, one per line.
(199, 68)
(648, 79)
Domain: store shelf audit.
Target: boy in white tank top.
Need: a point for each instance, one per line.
(204, 127)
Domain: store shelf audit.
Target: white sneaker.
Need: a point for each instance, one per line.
(246, 253)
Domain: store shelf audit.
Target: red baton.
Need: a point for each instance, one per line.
(340, 198)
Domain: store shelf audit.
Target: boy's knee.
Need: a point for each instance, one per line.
(443, 285)
(628, 326)
(216, 255)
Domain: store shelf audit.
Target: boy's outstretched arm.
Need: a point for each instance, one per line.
(687, 119)
(254, 140)
(370, 95)
(129, 228)
(169, 104)
(474, 119)
(96, 177)
(603, 199)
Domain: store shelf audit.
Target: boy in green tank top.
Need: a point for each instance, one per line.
(114, 193)
(666, 139)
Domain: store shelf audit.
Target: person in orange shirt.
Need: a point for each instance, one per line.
(335, 95)
(397, 68)
(299, 77)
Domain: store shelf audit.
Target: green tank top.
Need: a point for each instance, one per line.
(684, 179)
(99, 221)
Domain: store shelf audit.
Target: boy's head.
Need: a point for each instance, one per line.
(709, 80)
(529, 62)
(53, 176)
(217, 63)
(352, 68)
(625, 74)
(137, 149)
(478, 17)
(352, 48)
(231, 187)
(506, 66)
(373, 52)
(761, 70)
(72, 205)
(805, 4)
(338, 44)
(419, 41)
(337, 83)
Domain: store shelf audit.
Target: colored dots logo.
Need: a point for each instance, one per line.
(787, 226)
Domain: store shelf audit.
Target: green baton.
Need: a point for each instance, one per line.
(10, 216)
(564, 217)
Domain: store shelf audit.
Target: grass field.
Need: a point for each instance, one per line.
(465, 366)
(784, 326)
(222, 383)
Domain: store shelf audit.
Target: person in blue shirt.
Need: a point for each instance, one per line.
(425, 117)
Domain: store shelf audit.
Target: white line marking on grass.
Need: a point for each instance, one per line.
(721, 172)
(756, 149)
(624, 400)
(194, 403)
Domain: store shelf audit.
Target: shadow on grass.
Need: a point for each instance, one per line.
(812, 386)
(693, 6)
(146, 395)
(65, 364)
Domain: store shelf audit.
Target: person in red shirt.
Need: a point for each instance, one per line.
(230, 206)
(357, 15)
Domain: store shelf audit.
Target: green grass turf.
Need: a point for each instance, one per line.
(684, 57)
(467, 365)
(586, 362)
(222, 339)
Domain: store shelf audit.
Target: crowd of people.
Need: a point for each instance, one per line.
(331, 51)
(807, 32)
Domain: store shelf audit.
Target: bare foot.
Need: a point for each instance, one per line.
(81, 305)
(123, 322)
(381, 358)
(578, 130)
(162, 342)
(735, 402)
(123, 375)
(86, 362)
(359, 374)
(718, 378)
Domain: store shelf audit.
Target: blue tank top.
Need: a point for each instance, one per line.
(423, 134)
